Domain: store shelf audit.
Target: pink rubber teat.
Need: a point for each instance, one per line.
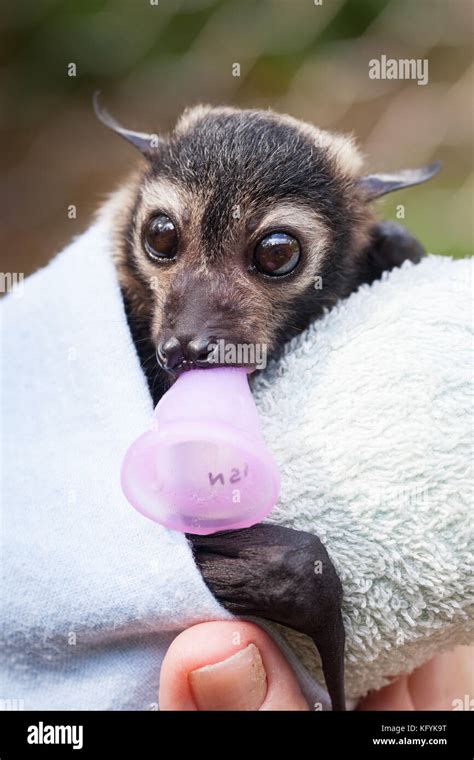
(203, 467)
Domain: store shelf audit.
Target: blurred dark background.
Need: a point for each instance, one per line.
(151, 60)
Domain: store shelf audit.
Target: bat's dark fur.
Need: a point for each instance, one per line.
(271, 572)
(227, 177)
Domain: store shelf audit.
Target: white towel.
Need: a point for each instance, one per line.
(370, 417)
(94, 593)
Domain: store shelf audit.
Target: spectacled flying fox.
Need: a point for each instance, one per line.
(221, 235)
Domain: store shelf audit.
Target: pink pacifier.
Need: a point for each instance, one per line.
(203, 467)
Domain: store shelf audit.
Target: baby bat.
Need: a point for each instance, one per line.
(243, 226)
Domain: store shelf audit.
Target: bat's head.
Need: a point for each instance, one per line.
(241, 228)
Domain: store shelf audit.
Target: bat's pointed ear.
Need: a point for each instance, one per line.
(375, 185)
(146, 143)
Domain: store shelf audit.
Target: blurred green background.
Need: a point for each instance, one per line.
(151, 58)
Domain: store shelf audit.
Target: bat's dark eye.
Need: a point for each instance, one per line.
(161, 238)
(277, 254)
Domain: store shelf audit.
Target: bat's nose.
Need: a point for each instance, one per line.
(169, 354)
(174, 353)
(197, 351)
